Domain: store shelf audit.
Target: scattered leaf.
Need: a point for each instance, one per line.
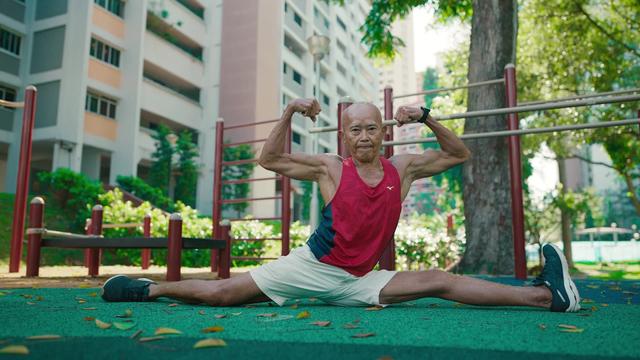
(172, 305)
(236, 314)
(604, 305)
(102, 324)
(89, 318)
(615, 288)
(303, 315)
(127, 314)
(2, 293)
(135, 334)
(82, 301)
(93, 294)
(213, 329)
(267, 315)
(350, 326)
(15, 350)
(590, 286)
(151, 338)
(576, 330)
(84, 286)
(374, 308)
(44, 337)
(166, 331)
(39, 298)
(30, 303)
(542, 326)
(201, 312)
(26, 296)
(89, 308)
(587, 301)
(221, 316)
(565, 326)
(594, 308)
(124, 325)
(294, 306)
(206, 343)
(321, 323)
(363, 335)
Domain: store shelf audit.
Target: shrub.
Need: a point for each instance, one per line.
(141, 189)
(250, 230)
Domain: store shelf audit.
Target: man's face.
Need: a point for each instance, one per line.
(363, 131)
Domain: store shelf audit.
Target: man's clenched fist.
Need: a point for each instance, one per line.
(307, 107)
(407, 114)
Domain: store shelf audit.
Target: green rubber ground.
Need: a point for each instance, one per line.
(423, 329)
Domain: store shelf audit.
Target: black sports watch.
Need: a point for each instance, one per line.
(425, 115)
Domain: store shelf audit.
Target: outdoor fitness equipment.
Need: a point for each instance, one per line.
(515, 168)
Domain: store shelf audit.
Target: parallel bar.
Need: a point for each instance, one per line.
(216, 211)
(241, 200)
(435, 91)
(12, 104)
(36, 217)
(249, 258)
(146, 253)
(244, 142)
(239, 162)
(251, 124)
(388, 259)
(594, 125)
(517, 109)
(54, 233)
(174, 248)
(584, 96)
(127, 225)
(243, 181)
(258, 218)
(95, 254)
(255, 239)
(285, 204)
(130, 243)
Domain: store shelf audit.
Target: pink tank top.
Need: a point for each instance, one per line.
(360, 220)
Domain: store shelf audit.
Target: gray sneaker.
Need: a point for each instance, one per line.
(122, 288)
(555, 276)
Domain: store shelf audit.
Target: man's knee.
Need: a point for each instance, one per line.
(437, 281)
(218, 293)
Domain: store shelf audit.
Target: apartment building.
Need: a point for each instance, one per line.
(401, 76)
(108, 72)
(266, 64)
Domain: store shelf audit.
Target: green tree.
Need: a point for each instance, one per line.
(430, 82)
(187, 178)
(235, 172)
(160, 174)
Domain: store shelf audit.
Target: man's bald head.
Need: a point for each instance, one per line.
(360, 111)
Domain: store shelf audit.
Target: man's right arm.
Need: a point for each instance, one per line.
(298, 166)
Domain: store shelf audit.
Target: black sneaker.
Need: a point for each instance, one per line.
(123, 288)
(555, 276)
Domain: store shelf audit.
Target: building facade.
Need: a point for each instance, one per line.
(108, 72)
(266, 64)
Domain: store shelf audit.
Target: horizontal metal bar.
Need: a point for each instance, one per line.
(239, 162)
(54, 233)
(584, 96)
(12, 104)
(244, 142)
(235, 201)
(242, 181)
(250, 258)
(88, 242)
(439, 90)
(255, 239)
(251, 124)
(258, 218)
(128, 225)
(491, 134)
(552, 104)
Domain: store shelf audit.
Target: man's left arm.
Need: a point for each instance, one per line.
(452, 150)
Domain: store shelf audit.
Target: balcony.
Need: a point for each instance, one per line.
(172, 105)
(292, 85)
(6, 119)
(180, 19)
(291, 19)
(172, 34)
(173, 59)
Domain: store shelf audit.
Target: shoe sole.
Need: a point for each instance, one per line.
(108, 280)
(569, 286)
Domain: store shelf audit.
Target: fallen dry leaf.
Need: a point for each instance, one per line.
(565, 326)
(30, 303)
(124, 325)
(82, 301)
(127, 314)
(93, 294)
(89, 308)
(39, 298)
(294, 306)
(201, 312)
(84, 286)
(374, 308)
(150, 338)
(206, 343)
(363, 335)
(615, 288)
(586, 301)
(172, 305)
(15, 350)
(236, 314)
(213, 329)
(135, 334)
(590, 286)
(267, 315)
(350, 326)
(221, 316)
(321, 323)
(303, 315)
(166, 331)
(26, 296)
(604, 305)
(102, 324)
(44, 337)
(89, 318)
(542, 326)
(576, 330)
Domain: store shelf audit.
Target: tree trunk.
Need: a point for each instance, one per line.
(565, 219)
(487, 204)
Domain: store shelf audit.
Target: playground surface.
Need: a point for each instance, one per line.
(606, 327)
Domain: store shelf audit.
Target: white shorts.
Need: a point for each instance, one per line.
(301, 275)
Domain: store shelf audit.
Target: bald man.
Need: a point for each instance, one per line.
(364, 194)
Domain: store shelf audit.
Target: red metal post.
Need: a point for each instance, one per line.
(87, 230)
(174, 253)
(388, 258)
(344, 103)
(286, 201)
(22, 183)
(450, 230)
(146, 253)
(36, 215)
(515, 171)
(225, 254)
(96, 229)
(217, 190)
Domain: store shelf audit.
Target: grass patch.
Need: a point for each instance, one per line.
(623, 270)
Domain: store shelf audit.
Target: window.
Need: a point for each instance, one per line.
(296, 138)
(100, 105)
(297, 77)
(104, 52)
(115, 7)
(10, 41)
(7, 94)
(284, 68)
(297, 18)
(341, 23)
(325, 99)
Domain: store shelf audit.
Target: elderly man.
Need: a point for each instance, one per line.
(363, 193)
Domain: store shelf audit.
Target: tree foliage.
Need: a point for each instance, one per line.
(159, 176)
(235, 172)
(187, 179)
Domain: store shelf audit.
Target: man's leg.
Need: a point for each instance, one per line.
(238, 290)
(410, 285)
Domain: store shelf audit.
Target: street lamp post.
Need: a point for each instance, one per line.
(318, 47)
